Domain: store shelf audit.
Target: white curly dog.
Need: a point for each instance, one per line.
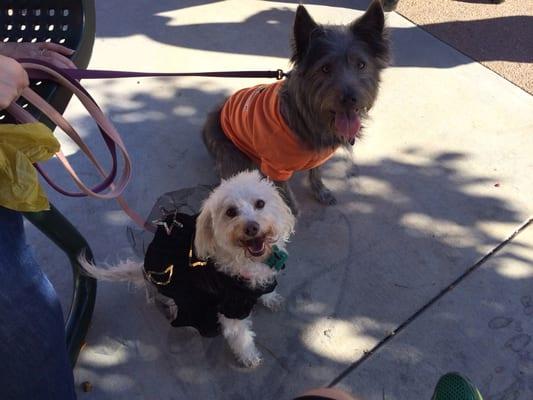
(238, 238)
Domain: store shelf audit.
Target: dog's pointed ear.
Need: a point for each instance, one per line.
(372, 20)
(304, 25)
(204, 241)
(370, 27)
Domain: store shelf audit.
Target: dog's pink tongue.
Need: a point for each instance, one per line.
(347, 125)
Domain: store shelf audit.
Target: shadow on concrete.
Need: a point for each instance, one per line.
(268, 33)
(265, 33)
(487, 39)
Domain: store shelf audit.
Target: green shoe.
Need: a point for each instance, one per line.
(453, 386)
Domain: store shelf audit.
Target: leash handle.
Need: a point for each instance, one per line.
(116, 187)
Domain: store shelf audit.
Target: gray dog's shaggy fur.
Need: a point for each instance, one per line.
(336, 70)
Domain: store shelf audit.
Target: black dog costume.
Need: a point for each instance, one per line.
(199, 290)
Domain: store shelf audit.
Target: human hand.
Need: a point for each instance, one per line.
(50, 52)
(13, 79)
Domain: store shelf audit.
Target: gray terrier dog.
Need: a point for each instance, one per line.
(297, 124)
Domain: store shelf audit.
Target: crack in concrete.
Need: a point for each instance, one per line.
(421, 310)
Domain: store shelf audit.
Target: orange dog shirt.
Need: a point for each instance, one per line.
(252, 120)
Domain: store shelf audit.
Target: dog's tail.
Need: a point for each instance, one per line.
(125, 271)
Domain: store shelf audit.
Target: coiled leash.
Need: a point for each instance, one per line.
(113, 183)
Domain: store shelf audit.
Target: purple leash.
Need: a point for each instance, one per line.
(79, 74)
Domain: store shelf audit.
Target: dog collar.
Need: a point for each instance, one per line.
(277, 259)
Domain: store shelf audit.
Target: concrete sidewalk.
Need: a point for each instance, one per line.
(443, 179)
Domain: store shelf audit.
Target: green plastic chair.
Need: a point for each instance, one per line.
(71, 23)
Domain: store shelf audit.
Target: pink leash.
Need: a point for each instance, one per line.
(111, 186)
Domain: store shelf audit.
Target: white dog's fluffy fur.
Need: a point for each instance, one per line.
(221, 235)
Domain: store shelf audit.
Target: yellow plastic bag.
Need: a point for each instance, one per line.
(20, 146)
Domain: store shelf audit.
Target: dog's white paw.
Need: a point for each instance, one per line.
(251, 359)
(273, 301)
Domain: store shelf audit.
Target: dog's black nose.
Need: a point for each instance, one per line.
(251, 229)
(348, 99)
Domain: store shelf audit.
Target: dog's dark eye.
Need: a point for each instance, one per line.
(326, 68)
(259, 204)
(361, 65)
(231, 212)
